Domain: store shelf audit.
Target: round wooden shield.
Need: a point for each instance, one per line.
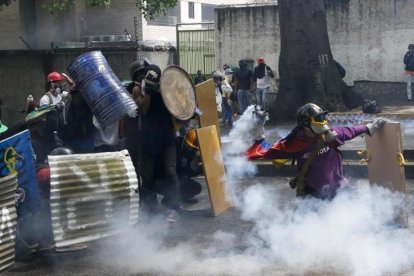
(178, 93)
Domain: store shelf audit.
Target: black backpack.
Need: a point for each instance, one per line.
(371, 107)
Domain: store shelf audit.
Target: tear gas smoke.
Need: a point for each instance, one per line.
(354, 234)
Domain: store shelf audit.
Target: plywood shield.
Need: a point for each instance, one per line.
(206, 102)
(386, 162)
(213, 169)
(177, 91)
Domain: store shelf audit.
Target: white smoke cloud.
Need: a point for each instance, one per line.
(354, 234)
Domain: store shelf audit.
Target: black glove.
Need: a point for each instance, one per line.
(376, 124)
(152, 79)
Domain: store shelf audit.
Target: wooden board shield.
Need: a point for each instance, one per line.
(213, 169)
(206, 102)
(177, 91)
(386, 162)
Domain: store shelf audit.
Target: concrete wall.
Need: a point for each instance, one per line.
(10, 27)
(247, 32)
(24, 72)
(369, 38)
(112, 20)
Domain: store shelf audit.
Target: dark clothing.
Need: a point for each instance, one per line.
(325, 173)
(199, 79)
(157, 143)
(157, 128)
(244, 78)
(259, 71)
(409, 61)
(149, 172)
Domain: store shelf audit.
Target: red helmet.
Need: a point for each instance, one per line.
(55, 76)
(260, 60)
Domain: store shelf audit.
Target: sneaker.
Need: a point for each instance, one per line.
(173, 216)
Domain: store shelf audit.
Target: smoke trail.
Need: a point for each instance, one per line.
(354, 234)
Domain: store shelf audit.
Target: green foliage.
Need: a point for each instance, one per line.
(149, 8)
(57, 6)
(99, 3)
(152, 8)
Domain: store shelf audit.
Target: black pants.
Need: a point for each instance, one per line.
(152, 165)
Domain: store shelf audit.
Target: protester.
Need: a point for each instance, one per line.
(199, 78)
(223, 90)
(243, 84)
(409, 69)
(54, 94)
(130, 126)
(233, 96)
(157, 142)
(261, 81)
(42, 127)
(315, 146)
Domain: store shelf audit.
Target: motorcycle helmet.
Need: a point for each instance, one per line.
(310, 112)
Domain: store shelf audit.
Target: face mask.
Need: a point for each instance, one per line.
(320, 126)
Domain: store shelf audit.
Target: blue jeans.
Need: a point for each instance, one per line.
(261, 94)
(409, 81)
(226, 112)
(244, 99)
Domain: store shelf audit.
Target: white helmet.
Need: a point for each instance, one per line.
(216, 74)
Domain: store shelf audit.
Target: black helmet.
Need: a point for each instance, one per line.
(61, 151)
(137, 66)
(307, 111)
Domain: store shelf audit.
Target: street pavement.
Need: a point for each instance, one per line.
(264, 234)
(229, 244)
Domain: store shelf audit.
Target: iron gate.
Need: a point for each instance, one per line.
(195, 47)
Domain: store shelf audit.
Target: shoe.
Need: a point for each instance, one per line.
(173, 216)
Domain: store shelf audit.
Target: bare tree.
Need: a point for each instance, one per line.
(306, 66)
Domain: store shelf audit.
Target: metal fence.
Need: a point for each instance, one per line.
(196, 47)
(8, 222)
(92, 196)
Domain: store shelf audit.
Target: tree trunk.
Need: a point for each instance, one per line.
(306, 66)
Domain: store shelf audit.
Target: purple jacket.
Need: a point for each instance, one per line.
(325, 174)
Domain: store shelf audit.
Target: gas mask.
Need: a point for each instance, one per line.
(319, 126)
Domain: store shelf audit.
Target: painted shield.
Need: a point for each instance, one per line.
(178, 92)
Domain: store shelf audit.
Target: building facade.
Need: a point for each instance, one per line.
(25, 24)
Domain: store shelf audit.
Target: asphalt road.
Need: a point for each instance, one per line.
(261, 236)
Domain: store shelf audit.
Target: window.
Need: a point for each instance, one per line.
(190, 9)
(207, 12)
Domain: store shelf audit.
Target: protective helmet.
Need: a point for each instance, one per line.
(308, 111)
(260, 60)
(138, 66)
(234, 68)
(217, 75)
(61, 151)
(55, 76)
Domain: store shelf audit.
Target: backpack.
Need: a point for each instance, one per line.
(371, 107)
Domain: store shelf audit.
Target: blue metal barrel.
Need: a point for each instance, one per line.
(101, 89)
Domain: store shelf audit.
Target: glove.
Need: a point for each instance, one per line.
(152, 80)
(376, 124)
